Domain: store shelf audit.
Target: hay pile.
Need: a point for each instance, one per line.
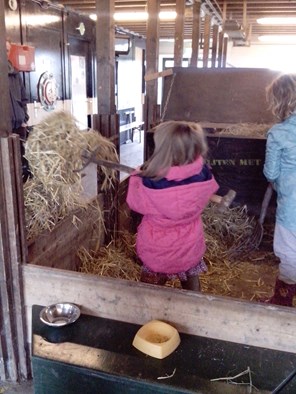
(229, 234)
(54, 150)
(255, 130)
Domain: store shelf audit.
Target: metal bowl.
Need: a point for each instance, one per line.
(59, 315)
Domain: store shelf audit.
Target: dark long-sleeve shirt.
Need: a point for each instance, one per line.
(18, 98)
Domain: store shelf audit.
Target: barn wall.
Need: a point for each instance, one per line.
(55, 34)
(49, 30)
(256, 55)
(263, 55)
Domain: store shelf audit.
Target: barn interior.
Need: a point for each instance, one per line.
(98, 82)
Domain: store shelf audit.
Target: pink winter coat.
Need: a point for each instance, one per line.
(170, 238)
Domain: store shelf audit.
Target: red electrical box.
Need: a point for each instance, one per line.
(22, 57)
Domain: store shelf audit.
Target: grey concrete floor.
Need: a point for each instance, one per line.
(132, 153)
(17, 388)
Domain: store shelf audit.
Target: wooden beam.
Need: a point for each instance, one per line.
(152, 56)
(13, 346)
(215, 45)
(220, 48)
(13, 334)
(19, 192)
(107, 121)
(108, 125)
(224, 11)
(195, 33)
(205, 315)
(225, 46)
(150, 77)
(105, 50)
(152, 43)
(179, 33)
(206, 46)
(9, 351)
(245, 15)
(5, 124)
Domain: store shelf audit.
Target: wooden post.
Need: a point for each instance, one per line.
(245, 15)
(152, 56)
(179, 33)
(214, 45)
(105, 49)
(220, 48)
(206, 46)
(107, 121)
(195, 33)
(109, 124)
(222, 42)
(225, 45)
(14, 352)
(4, 120)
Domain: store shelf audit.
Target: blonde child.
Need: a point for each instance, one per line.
(170, 191)
(280, 169)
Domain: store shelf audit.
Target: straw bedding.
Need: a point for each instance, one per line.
(253, 130)
(234, 269)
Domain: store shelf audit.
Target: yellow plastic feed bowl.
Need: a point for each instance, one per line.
(157, 339)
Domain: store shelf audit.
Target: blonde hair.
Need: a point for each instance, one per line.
(281, 96)
(176, 143)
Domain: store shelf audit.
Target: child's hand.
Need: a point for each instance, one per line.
(223, 202)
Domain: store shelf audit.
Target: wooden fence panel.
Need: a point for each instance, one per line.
(13, 335)
(205, 315)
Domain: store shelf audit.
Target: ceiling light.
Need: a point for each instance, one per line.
(186, 40)
(277, 21)
(278, 39)
(130, 16)
(138, 16)
(167, 15)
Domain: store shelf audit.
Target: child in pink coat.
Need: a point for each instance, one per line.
(171, 190)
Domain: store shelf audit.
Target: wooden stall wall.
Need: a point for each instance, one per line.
(59, 248)
(219, 99)
(208, 316)
(237, 163)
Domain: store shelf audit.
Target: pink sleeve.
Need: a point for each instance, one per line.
(134, 192)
